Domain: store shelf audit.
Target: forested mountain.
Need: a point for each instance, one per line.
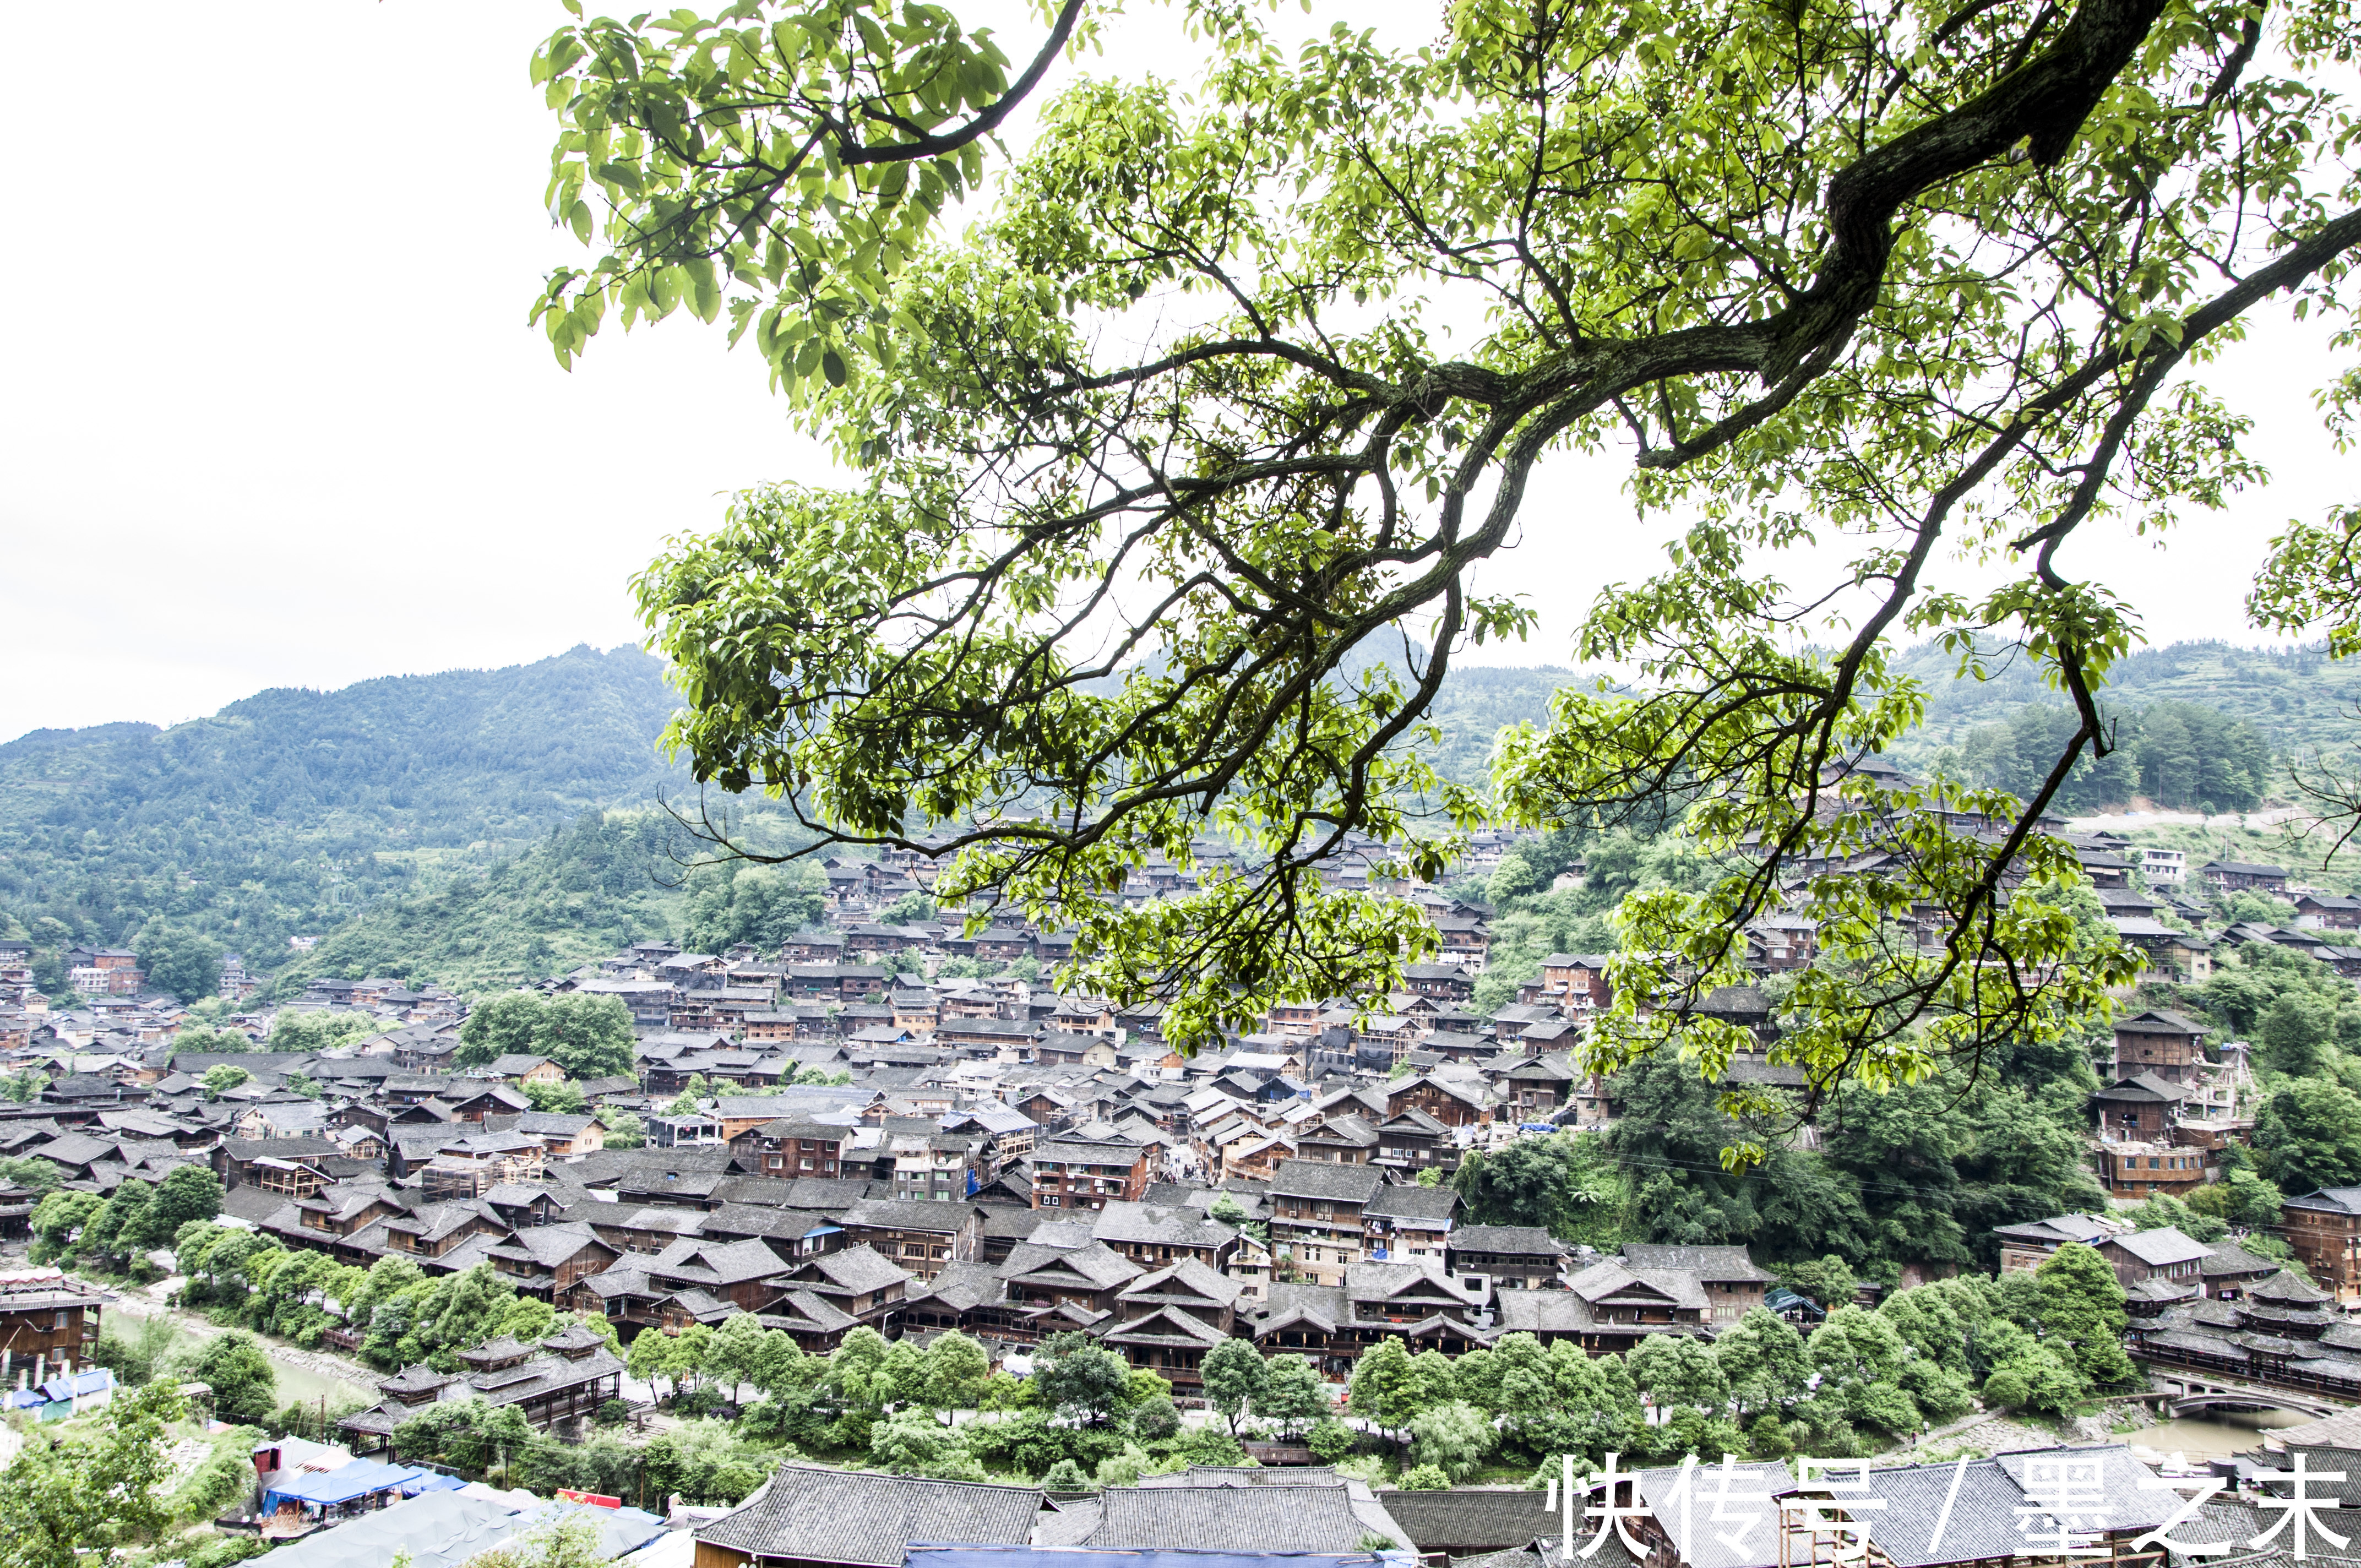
(288, 812)
(294, 811)
(2295, 697)
(580, 892)
(2200, 726)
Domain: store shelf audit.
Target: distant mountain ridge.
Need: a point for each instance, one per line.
(291, 810)
(288, 810)
(2297, 697)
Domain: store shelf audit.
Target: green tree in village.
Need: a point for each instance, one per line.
(182, 962)
(472, 1435)
(761, 906)
(1545, 1182)
(2082, 1306)
(2295, 1031)
(2308, 1134)
(956, 1370)
(1078, 1378)
(1860, 1357)
(2240, 1198)
(59, 1218)
(744, 1352)
(2030, 1373)
(1386, 1387)
(1828, 1281)
(1293, 1394)
(1676, 1370)
(243, 1381)
(685, 1103)
(62, 1497)
(29, 1173)
(590, 1036)
(223, 1077)
(1762, 1361)
(311, 1030)
(189, 1192)
(1452, 1437)
(563, 1098)
(206, 1038)
(1235, 1376)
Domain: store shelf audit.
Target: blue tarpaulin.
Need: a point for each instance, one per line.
(428, 1481)
(80, 1384)
(326, 1487)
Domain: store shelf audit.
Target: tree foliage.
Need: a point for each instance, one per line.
(63, 1496)
(1235, 1377)
(1238, 383)
(2308, 1134)
(590, 1036)
(244, 1383)
(185, 963)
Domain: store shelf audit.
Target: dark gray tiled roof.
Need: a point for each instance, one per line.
(1410, 1202)
(1259, 1518)
(854, 1268)
(1705, 1262)
(2158, 1247)
(1179, 1225)
(1464, 1518)
(1506, 1239)
(908, 1214)
(703, 1262)
(2229, 1258)
(1326, 1178)
(851, 1517)
(1715, 1524)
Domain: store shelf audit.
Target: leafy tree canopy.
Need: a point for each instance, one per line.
(590, 1036)
(180, 961)
(1237, 383)
(60, 1499)
(2308, 1134)
(318, 1029)
(242, 1378)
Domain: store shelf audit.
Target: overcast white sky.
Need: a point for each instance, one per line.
(271, 414)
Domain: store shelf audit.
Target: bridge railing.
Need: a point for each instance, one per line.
(2244, 1368)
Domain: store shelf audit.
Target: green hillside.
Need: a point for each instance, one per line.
(2198, 726)
(448, 826)
(2296, 698)
(1476, 702)
(290, 811)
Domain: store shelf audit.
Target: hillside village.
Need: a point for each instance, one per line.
(898, 1128)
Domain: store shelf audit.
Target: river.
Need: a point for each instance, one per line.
(293, 1382)
(2215, 1436)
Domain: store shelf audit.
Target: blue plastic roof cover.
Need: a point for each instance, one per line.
(428, 1481)
(342, 1484)
(97, 1380)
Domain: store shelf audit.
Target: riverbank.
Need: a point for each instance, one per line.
(305, 1377)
